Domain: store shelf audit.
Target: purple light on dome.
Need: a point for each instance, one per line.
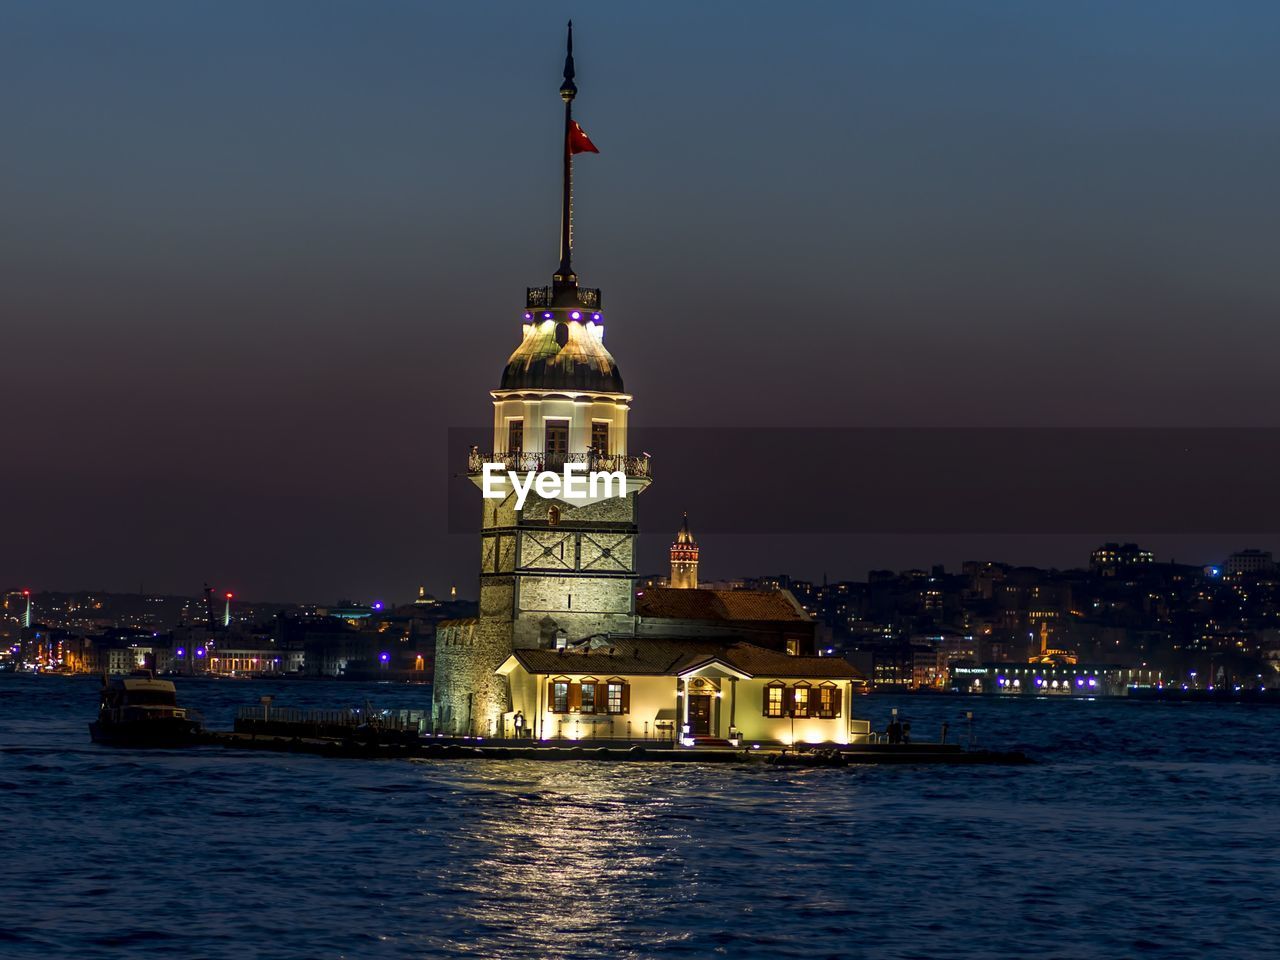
(181, 652)
(528, 316)
(595, 316)
(200, 652)
(576, 315)
(384, 657)
(378, 605)
(547, 316)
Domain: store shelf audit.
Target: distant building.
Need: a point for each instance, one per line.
(684, 559)
(1113, 559)
(1249, 562)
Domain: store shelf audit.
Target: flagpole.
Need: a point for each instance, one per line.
(568, 90)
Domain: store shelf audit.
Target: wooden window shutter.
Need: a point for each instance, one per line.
(835, 702)
(551, 695)
(626, 698)
(764, 707)
(575, 697)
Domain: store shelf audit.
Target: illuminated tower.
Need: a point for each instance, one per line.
(684, 559)
(226, 613)
(26, 617)
(560, 569)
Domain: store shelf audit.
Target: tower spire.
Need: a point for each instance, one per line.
(568, 90)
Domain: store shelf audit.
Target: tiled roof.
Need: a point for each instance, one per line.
(763, 662)
(743, 605)
(669, 657)
(633, 656)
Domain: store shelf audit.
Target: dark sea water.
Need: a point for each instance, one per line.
(1144, 830)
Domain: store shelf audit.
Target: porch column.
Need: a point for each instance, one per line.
(733, 702)
(681, 719)
(537, 707)
(847, 707)
(715, 713)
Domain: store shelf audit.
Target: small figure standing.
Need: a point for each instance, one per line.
(518, 721)
(894, 731)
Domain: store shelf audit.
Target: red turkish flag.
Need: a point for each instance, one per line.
(579, 142)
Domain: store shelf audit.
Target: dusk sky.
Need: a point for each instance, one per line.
(257, 259)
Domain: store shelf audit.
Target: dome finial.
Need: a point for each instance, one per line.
(568, 89)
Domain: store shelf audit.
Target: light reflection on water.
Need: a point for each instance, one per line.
(1146, 829)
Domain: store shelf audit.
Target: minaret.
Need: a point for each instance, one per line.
(684, 559)
(564, 566)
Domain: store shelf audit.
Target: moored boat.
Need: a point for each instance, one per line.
(141, 711)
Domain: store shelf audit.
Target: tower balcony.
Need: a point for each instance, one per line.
(586, 297)
(633, 468)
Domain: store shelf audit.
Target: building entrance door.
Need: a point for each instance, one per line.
(557, 444)
(700, 714)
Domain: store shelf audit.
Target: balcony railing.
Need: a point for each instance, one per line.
(641, 467)
(543, 297)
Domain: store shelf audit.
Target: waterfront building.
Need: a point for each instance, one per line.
(687, 690)
(558, 572)
(1065, 680)
(558, 568)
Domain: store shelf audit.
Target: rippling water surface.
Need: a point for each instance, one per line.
(1145, 829)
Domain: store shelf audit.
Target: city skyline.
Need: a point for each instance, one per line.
(251, 301)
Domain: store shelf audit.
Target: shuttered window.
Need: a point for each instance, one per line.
(558, 696)
(773, 701)
(800, 701)
(587, 700)
(828, 702)
(617, 700)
